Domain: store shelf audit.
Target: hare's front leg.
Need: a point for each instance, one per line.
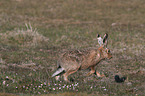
(92, 71)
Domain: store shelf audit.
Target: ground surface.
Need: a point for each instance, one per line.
(33, 32)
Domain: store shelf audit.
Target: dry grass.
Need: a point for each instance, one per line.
(28, 56)
(71, 94)
(25, 38)
(6, 94)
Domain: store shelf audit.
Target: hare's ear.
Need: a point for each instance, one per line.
(98, 35)
(100, 40)
(105, 39)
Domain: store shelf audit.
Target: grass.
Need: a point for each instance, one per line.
(32, 33)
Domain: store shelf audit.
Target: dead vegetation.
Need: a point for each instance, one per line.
(24, 38)
(29, 51)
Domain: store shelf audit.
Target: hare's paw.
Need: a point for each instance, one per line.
(99, 75)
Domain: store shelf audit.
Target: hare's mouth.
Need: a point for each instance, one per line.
(110, 57)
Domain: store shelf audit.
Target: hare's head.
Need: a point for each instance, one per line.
(105, 52)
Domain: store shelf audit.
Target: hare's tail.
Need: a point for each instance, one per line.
(58, 71)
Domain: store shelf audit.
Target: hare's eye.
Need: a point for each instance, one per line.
(108, 51)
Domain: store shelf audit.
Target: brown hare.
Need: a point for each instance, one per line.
(72, 61)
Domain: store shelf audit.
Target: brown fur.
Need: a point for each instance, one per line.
(72, 61)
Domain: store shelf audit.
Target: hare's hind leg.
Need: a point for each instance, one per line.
(92, 71)
(69, 72)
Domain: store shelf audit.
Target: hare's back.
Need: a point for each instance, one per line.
(72, 58)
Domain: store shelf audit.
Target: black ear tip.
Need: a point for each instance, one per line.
(106, 34)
